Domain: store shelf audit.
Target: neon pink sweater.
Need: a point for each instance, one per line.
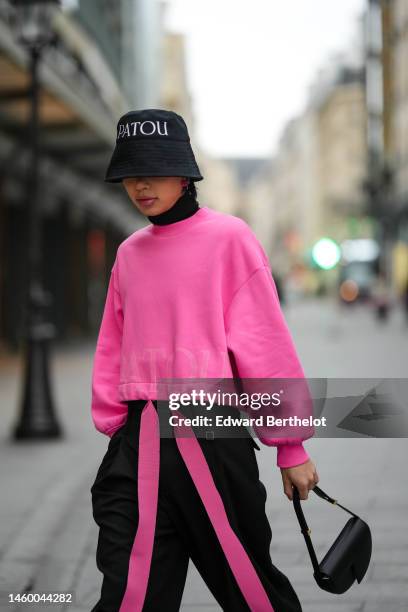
(180, 297)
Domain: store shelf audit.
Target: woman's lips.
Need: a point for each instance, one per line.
(146, 201)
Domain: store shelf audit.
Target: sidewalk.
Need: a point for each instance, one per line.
(47, 533)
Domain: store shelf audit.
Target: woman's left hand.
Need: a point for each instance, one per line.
(303, 476)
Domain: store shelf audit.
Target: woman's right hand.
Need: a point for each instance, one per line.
(304, 477)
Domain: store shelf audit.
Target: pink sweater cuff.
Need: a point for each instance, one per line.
(289, 455)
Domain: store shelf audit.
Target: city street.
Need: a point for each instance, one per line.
(47, 534)
(143, 195)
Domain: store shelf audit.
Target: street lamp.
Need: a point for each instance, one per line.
(32, 22)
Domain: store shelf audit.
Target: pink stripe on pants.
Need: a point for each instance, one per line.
(148, 487)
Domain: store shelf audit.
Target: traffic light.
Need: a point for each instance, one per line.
(326, 253)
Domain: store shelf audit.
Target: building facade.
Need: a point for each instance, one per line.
(83, 219)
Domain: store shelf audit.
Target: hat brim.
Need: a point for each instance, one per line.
(150, 157)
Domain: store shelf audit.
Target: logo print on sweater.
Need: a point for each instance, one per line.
(142, 128)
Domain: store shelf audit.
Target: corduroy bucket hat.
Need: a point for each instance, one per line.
(152, 142)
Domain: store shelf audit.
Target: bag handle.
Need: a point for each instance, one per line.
(303, 524)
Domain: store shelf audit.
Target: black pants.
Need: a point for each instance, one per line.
(183, 530)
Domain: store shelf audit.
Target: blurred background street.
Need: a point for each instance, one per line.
(298, 115)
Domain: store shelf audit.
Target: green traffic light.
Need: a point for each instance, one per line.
(326, 253)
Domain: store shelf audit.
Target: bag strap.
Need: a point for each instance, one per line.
(324, 495)
(303, 524)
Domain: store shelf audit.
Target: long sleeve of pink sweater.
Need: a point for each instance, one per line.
(182, 299)
(107, 411)
(259, 339)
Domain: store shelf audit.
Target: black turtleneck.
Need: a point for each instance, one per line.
(184, 207)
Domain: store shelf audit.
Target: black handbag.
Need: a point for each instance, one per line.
(349, 556)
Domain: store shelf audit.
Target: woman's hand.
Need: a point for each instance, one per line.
(303, 476)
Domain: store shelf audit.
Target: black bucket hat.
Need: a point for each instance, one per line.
(152, 142)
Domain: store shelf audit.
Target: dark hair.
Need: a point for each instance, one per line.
(192, 189)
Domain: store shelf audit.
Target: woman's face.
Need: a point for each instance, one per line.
(153, 195)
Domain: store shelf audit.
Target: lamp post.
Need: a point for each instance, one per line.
(37, 415)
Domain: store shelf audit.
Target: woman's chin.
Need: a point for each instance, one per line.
(152, 209)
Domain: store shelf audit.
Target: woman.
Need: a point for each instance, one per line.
(190, 295)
